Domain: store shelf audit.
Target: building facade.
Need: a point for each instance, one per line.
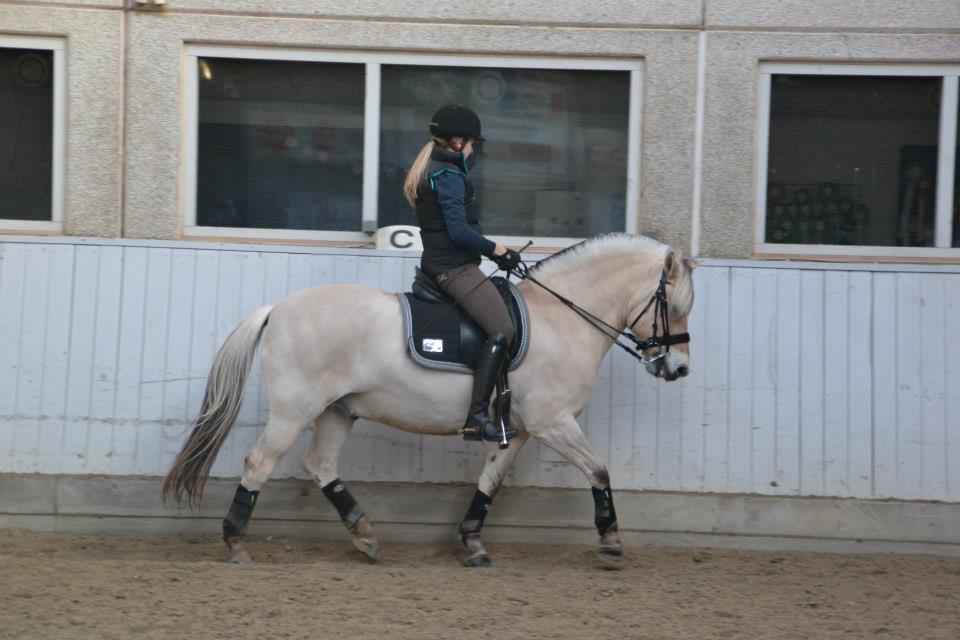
(165, 169)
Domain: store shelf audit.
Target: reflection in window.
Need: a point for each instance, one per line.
(26, 134)
(555, 163)
(853, 160)
(280, 144)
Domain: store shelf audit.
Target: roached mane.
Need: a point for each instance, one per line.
(605, 244)
(682, 298)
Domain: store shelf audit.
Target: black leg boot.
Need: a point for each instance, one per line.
(492, 359)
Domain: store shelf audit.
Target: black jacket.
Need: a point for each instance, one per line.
(446, 213)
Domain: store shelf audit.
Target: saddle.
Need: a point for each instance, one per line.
(440, 335)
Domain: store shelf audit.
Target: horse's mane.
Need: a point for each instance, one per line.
(623, 243)
(605, 244)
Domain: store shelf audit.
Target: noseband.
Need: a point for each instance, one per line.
(660, 313)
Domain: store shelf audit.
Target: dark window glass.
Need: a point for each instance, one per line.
(853, 160)
(555, 160)
(26, 134)
(956, 189)
(280, 144)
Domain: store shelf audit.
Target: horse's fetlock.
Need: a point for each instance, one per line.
(472, 542)
(353, 519)
(241, 509)
(473, 522)
(611, 539)
(347, 508)
(605, 516)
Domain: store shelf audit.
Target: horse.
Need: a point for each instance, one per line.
(336, 353)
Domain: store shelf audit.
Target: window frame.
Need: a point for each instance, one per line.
(946, 159)
(372, 108)
(58, 156)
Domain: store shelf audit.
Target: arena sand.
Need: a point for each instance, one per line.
(80, 587)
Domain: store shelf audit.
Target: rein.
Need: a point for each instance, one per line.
(658, 300)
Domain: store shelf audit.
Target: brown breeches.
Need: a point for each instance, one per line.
(479, 298)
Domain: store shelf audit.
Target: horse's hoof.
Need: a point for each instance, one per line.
(368, 547)
(240, 557)
(478, 561)
(611, 558)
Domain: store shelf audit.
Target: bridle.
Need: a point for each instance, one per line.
(660, 315)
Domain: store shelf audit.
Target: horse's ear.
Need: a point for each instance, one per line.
(672, 265)
(692, 263)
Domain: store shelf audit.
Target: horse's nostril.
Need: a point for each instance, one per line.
(682, 371)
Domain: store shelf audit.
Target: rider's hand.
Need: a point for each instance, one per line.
(509, 260)
(499, 250)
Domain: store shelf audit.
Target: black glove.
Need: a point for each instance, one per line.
(509, 260)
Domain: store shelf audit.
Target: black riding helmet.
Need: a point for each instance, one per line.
(454, 120)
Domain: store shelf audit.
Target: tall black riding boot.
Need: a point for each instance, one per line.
(492, 359)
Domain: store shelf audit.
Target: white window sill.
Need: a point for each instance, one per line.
(30, 226)
(287, 235)
(295, 236)
(840, 252)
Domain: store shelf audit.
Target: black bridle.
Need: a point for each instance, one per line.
(660, 314)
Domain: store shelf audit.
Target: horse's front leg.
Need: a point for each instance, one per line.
(495, 468)
(566, 438)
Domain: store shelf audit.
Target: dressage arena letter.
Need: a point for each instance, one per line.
(399, 237)
(394, 238)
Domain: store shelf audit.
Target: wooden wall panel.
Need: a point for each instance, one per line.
(835, 380)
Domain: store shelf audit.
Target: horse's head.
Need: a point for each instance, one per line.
(675, 360)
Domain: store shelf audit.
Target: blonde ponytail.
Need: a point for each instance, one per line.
(417, 174)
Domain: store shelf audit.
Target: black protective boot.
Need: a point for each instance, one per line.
(492, 359)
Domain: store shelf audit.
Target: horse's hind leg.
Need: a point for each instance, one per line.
(276, 439)
(494, 471)
(566, 438)
(330, 431)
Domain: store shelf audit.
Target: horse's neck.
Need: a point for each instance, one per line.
(608, 287)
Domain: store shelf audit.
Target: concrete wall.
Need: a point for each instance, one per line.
(126, 84)
(94, 131)
(431, 513)
(824, 15)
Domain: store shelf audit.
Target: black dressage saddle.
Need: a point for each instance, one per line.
(440, 335)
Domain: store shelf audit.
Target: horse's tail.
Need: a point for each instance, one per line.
(221, 404)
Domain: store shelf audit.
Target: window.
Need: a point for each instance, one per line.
(280, 144)
(31, 134)
(316, 145)
(858, 161)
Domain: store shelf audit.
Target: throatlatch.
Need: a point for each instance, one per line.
(350, 512)
(235, 524)
(605, 515)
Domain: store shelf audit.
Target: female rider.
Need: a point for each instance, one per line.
(438, 184)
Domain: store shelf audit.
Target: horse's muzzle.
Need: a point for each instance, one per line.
(663, 372)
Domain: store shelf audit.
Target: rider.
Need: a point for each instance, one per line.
(438, 184)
